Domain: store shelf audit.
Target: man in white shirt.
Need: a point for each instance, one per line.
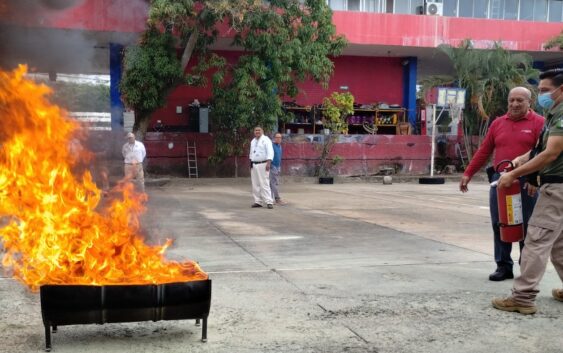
(261, 155)
(133, 154)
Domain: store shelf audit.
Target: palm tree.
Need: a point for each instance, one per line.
(487, 76)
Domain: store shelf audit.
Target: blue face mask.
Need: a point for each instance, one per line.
(545, 101)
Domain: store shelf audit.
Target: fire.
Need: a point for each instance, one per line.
(52, 226)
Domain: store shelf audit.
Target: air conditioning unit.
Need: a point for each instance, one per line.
(434, 8)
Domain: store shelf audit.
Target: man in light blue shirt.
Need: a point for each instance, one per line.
(261, 155)
(275, 171)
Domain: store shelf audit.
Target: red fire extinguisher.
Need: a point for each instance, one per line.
(511, 218)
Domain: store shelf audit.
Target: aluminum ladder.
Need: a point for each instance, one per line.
(461, 152)
(192, 160)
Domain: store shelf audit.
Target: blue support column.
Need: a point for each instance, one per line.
(115, 71)
(409, 88)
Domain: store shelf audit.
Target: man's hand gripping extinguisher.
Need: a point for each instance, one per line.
(509, 200)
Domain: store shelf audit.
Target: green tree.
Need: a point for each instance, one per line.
(487, 75)
(555, 42)
(151, 70)
(335, 110)
(283, 43)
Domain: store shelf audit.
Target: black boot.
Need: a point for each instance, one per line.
(501, 274)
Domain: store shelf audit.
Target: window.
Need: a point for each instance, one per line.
(527, 10)
(416, 4)
(402, 6)
(540, 10)
(511, 9)
(450, 8)
(353, 5)
(555, 10)
(337, 5)
(480, 8)
(474, 8)
(466, 8)
(406, 6)
(504, 9)
(533, 10)
(372, 6)
(496, 8)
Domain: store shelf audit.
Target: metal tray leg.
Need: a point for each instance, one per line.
(204, 330)
(47, 337)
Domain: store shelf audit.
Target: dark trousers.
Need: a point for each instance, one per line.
(502, 249)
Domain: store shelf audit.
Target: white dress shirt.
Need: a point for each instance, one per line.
(134, 153)
(261, 149)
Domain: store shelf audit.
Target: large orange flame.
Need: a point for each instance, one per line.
(52, 228)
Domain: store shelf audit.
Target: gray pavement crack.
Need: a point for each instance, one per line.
(238, 244)
(356, 334)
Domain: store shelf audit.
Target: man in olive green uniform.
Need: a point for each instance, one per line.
(545, 228)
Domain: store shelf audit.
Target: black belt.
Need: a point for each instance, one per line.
(258, 162)
(551, 179)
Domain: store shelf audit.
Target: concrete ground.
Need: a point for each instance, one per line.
(360, 267)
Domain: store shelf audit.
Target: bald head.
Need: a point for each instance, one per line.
(522, 90)
(519, 100)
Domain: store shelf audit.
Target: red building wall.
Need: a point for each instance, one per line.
(362, 155)
(369, 79)
(431, 31)
(358, 27)
(184, 95)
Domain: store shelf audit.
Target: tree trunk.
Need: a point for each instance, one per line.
(188, 51)
(323, 166)
(141, 125)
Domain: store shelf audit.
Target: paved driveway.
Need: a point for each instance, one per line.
(341, 268)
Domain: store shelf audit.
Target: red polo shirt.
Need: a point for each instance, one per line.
(508, 139)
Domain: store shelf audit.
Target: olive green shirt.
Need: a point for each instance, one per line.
(554, 125)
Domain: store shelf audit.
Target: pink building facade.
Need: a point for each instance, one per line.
(391, 46)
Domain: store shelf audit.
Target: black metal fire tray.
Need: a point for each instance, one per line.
(88, 304)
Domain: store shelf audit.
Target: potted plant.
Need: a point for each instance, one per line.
(334, 111)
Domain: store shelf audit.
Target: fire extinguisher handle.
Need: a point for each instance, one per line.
(508, 168)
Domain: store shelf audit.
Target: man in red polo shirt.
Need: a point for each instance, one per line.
(509, 136)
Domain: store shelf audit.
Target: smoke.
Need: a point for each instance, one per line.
(23, 41)
(32, 8)
(48, 50)
(27, 35)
